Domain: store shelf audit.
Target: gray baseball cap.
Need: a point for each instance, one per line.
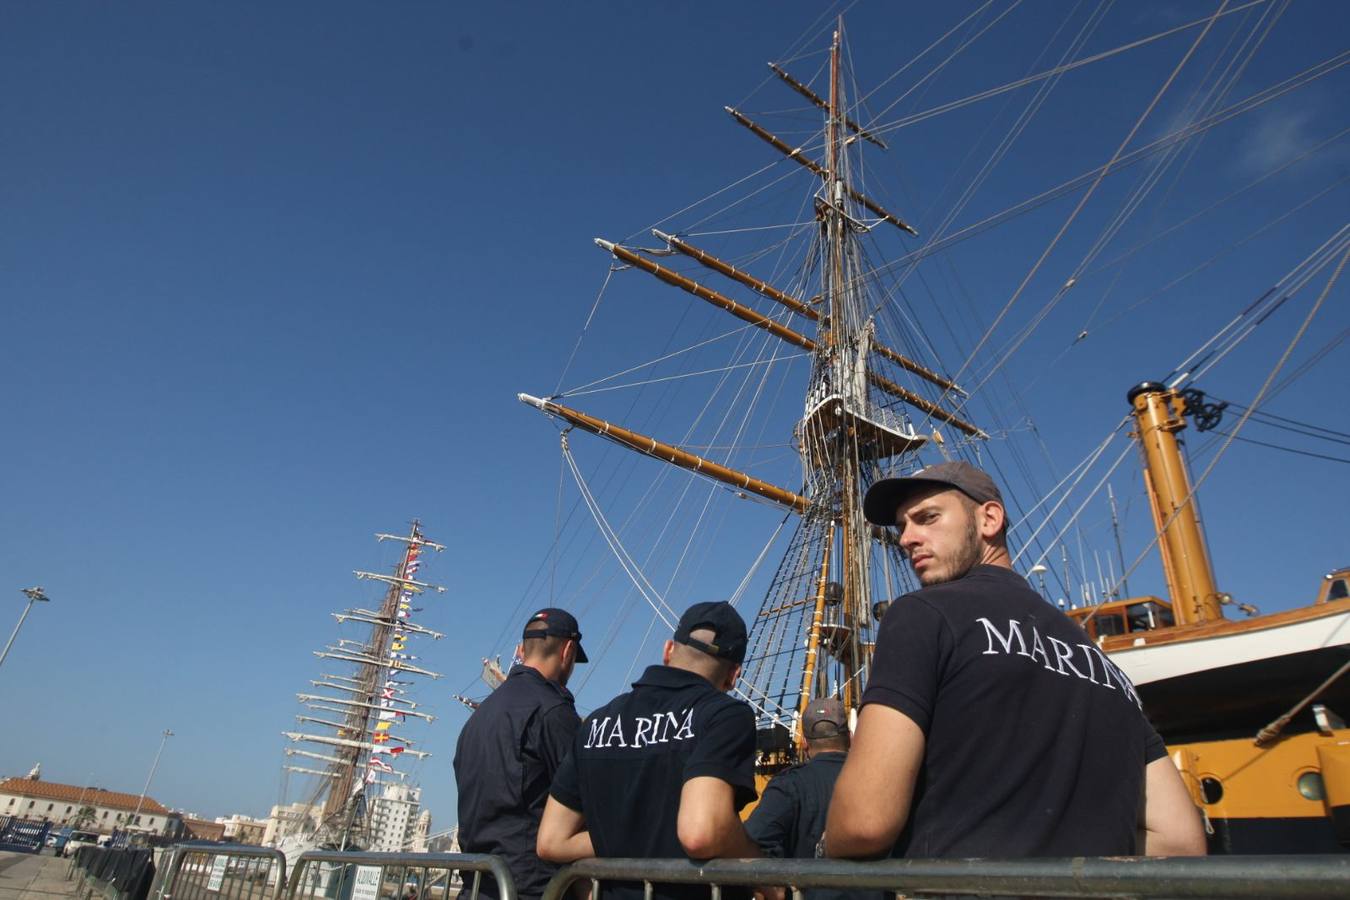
(887, 494)
(825, 717)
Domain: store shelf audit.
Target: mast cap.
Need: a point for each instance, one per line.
(1144, 387)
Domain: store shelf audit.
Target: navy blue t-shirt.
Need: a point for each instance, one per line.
(1035, 742)
(631, 758)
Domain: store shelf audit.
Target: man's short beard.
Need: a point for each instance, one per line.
(971, 550)
(967, 556)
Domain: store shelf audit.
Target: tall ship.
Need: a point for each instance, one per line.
(757, 375)
(358, 723)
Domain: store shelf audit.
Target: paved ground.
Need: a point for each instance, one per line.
(26, 875)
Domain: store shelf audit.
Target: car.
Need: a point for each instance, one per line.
(80, 839)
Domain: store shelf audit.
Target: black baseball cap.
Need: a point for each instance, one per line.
(556, 622)
(825, 717)
(728, 628)
(887, 494)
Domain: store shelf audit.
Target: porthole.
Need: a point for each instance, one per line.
(1211, 790)
(1311, 787)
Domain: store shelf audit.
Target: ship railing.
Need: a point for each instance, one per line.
(238, 871)
(405, 876)
(1191, 877)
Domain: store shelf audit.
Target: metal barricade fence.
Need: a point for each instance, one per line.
(1119, 877)
(347, 875)
(235, 871)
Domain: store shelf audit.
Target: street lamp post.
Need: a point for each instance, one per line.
(154, 765)
(1039, 571)
(34, 594)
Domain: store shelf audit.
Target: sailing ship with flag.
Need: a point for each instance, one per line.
(363, 729)
(823, 373)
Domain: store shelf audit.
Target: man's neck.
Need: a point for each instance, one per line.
(678, 667)
(995, 556)
(547, 669)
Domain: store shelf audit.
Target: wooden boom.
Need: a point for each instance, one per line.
(797, 306)
(669, 453)
(745, 313)
(795, 153)
(820, 102)
(736, 274)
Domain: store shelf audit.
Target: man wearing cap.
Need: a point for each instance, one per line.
(991, 725)
(662, 770)
(790, 817)
(512, 746)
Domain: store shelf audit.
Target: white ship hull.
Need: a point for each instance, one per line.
(1149, 663)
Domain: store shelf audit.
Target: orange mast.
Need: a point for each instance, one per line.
(1190, 577)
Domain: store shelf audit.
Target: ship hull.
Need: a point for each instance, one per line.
(1234, 678)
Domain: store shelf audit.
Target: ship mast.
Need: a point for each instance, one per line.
(840, 339)
(362, 735)
(1158, 417)
(813, 634)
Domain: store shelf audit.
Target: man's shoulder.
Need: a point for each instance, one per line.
(525, 685)
(984, 583)
(615, 706)
(723, 707)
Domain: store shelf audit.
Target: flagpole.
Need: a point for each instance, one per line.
(154, 765)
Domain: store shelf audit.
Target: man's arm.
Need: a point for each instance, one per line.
(563, 837)
(770, 825)
(1169, 824)
(872, 796)
(707, 824)
(557, 731)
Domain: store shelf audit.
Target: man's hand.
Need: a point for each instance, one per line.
(563, 837)
(1170, 823)
(871, 798)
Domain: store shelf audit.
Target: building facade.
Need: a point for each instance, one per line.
(202, 830)
(86, 808)
(396, 819)
(243, 829)
(291, 820)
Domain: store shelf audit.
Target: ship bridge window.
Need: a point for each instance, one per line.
(1339, 590)
(1106, 625)
(1149, 615)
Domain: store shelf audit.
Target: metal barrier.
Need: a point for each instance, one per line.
(351, 875)
(23, 835)
(1119, 877)
(125, 874)
(237, 871)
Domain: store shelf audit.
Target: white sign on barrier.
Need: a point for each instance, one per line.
(217, 873)
(366, 885)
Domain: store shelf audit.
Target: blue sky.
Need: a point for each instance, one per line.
(273, 273)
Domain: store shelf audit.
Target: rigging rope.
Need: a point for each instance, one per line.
(1339, 459)
(759, 560)
(682, 375)
(1092, 189)
(644, 587)
(915, 118)
(580, 337)
(1256, 402)
(1247, 104)
(1079, 511)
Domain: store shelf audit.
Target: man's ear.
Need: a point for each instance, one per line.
(732, 677)
(992, 518)
(520, 652)
(666, 651)
(569, 651)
